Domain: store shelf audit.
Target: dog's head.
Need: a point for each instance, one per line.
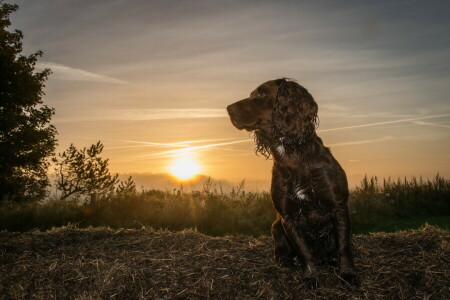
(278, 111)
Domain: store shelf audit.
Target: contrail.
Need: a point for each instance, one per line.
(183, 144)
(431, 124)
(143, 143)
(173, 153)
(64, 72)
(203, 141)
(384, 123)
(164, 113)
(361, 142)
(187, 149)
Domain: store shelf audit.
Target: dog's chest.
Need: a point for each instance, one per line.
(312, 214)
(306, 198)
(302, 192)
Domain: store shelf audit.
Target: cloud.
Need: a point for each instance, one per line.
(68, 73)
(189, 149)
(147, 114)
(386, 138)
(165, 181)
(164, 113)
(384, 123)
(208, 146)
(182, 144)
(184, 147)
(431, 124)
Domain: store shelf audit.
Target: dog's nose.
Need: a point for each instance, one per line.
(230, 108)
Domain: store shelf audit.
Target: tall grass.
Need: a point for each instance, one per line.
(375, 201)
(216, 213)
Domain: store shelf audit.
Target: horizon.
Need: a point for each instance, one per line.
(151, 81)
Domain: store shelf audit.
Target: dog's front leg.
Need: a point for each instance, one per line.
(287, 209)
(342, 223)
(297, 239)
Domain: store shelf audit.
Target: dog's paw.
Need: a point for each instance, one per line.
(286, 262)
(350, 276)
(310, 277)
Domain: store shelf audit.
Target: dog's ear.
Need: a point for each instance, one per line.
(295, 114)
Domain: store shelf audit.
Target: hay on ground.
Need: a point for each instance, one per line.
(99, 263)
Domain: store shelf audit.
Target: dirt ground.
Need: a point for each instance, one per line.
(100, 263)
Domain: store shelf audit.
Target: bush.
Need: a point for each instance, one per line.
(372, 201)
(216, 213)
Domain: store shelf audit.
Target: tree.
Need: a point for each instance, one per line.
(82, 173)
(126, 188)
(26, 137)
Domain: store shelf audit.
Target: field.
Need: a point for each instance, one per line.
(208, 244)
(376, 205)
(101, 263)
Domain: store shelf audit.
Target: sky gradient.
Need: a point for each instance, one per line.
(151, 78)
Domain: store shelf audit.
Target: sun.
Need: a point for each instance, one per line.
(184, 168)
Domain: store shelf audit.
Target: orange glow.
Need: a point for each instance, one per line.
(184, 168)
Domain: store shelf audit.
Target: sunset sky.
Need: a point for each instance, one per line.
(151, 79)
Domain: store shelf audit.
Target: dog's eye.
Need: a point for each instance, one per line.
(260, 95)
(257, 95)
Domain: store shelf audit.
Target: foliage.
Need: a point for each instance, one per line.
(82, 173)
(374, 202)
(400, 204)
(126, 188)
(26, 138)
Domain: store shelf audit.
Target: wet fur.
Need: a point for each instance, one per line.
(309, 188)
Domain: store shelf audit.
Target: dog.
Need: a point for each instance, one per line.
(309, 188)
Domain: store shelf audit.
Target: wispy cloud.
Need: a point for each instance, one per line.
(187, 149)
(142, 143)
(386, 138)
(431, 124)
(147, 114)
(182, 144)
(384, 123)
(64, 72)
(208, 146)
(164, 113)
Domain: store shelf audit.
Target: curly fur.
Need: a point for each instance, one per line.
(309, 188)
(262, 143)
(294, 119)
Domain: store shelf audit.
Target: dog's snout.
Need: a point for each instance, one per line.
(231, 108)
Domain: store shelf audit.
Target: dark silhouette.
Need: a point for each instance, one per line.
(309, 187)
(83, 173)
(26, 137)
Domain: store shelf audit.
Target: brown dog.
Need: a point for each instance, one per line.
(309, 187)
